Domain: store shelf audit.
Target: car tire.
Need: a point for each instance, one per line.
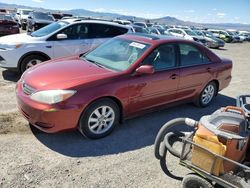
(30, 61)
(195, 181)
(93, 122)
(207, 95)
(24, 27)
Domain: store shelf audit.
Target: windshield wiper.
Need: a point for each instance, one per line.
(94, 62)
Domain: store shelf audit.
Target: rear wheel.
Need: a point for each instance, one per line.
(195, 181)
(24, 27)
(207, 95)
(99, 119)
(31, 61)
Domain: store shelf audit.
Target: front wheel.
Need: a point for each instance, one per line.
(31, 61)
(99, 119)
(207, 94)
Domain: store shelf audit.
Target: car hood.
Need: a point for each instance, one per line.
(17, 39)
(65, 73)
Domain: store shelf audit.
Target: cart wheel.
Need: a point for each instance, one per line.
(195, 181)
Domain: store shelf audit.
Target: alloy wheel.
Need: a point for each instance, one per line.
(32, 63)
(208, 94)
(101, 119)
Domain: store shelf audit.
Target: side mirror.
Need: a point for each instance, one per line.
(145, 69)
(18, 13)
(61, 36)
(29, 17)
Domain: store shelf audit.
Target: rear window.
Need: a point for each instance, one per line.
(106, 31)
(191, 55)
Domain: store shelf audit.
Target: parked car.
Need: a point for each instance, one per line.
(37, 20)
(153, 30)
(149, 24)
(187, 34)
(221, 34)
(62, 38)
(236, 37)
(122, 78)
(8, 25)
(59, 16)
(212, 41)
(123, 22)
(139, 29)
(142, 24)
(22, 17)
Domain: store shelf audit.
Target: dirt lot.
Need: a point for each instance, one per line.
(125, 159)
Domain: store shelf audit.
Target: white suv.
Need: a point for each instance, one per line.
(63, 38)
(187, 34)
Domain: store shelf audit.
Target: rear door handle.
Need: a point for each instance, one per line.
(173, 76)
(48, 46)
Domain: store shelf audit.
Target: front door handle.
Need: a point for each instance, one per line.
(173, 76)
(209, 69)
(48, 46)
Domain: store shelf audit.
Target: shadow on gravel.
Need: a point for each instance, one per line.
(220, 49)
(134, 134)
(11, 75)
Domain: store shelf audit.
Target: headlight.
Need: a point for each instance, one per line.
(9, 46)
(52, 96)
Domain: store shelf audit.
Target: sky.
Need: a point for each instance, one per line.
(202, 11)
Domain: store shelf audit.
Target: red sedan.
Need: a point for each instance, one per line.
(8, 25)
(124, 77)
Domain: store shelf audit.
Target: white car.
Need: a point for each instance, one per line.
(63, 38)
(187, 34)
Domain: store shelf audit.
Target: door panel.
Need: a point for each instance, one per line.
(147, 91)
(195, 71)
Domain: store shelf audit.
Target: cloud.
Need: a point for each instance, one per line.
(220, 14)
(189, 11)
(214, 9)
(100, 10)
(38, 1)
(236, 18)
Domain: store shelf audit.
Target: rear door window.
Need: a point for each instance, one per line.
(106, 31)
(190, 55)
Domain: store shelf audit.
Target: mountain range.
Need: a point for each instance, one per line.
(105, 15)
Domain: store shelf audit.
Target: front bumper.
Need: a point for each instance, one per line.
(10, 58)
(47, 118)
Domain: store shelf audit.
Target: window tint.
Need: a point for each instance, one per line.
(191, 55)
(106, 31)
(78, 31)
(162, 58)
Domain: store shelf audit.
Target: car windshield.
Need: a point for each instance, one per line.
(42, 16)
(116, 54)
(49, 29)
(209, 34)
(5, 17)
(199, 33)
(26, 12)
(189, 32)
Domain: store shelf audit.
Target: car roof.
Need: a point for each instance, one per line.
(75, 20)
(151, 38)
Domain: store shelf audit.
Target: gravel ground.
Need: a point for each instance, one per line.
(30, 158)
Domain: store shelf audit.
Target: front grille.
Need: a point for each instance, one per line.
(27, 89)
